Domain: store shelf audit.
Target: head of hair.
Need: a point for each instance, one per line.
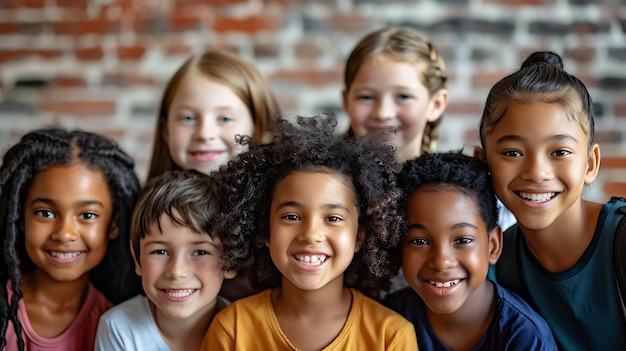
(226, 68)
(190, 199)
(309, 145)
(452, 171)
(38, 151)
(540, 79)
(405, 45)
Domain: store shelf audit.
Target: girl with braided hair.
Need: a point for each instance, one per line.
(66, 198)
(395, 80)
(320, 215)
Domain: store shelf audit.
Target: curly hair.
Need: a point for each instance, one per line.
(37, 151)
(457, 171)
(308, 144)
(190, 199)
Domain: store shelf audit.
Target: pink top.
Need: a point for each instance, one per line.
(79, 336)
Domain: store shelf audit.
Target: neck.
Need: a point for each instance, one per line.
(184, 334)
(559, 246)
(37, 285)
(291, 300)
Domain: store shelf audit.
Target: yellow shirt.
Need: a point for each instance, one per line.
(251, 324)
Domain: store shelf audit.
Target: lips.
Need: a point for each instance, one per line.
(536, 197)
(312, 260)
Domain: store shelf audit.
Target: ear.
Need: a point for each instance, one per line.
(593, 164)
(438, 104)
(360, 238)
(495, 244)
(479, 153)
(230, 274)
(137, 265)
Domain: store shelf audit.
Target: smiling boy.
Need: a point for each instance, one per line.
(182, 260)
(451, 239)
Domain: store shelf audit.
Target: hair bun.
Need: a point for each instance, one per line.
(543, 58)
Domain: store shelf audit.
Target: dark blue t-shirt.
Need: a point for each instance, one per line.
(515, 326)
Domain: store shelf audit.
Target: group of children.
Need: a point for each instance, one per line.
(255, 233)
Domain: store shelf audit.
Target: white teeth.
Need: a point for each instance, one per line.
(445, 284)
(64, 255)
(180, 293)
(313, 260)
(536, 197)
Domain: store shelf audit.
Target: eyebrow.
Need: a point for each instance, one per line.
(557, 137)
(78, 204)
(455, 226)
(296, 204)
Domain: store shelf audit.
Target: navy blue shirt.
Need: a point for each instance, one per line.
(515, 326)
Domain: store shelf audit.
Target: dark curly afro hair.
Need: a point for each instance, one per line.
(455, 170)
(310, 144)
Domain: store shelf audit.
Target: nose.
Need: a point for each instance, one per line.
(177, 267)
(384, 108)
(536, 169)
(441, 258)
(311, 232)
(207, 129)
(66, 230)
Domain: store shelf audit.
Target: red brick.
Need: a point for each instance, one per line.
(307, 76)
(179, 49)
(81, 27)
(89, 54)
(613, 162)
(251, 24)
(77, 4)
(614, 189)
(350, 23)
(209, 2)
(85, 107)
(33, 4)
(581, 54)
(183, 20)
(9, 55)
(135, 52)
(488, 79)
(9, 27)
(67, 81)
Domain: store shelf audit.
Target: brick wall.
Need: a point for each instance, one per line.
(101, 64)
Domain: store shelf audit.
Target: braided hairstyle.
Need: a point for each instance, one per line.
(404, 45)
(37, 151)
(308, 144)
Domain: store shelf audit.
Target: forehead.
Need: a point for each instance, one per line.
(447, 203)
(71, 179)
(165, 230)
(313, 186)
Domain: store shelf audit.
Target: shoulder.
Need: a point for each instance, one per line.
(373, 310)
(246, 307)
(402, 300)
(515, 316)
(129, 312)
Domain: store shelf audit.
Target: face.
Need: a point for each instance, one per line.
(180, 270)
(389, 95)
(67, 221)
(447, 250)
(313, 228)
(540, 161)
(203, 120)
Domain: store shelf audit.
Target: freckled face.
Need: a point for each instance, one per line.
(313, 228)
